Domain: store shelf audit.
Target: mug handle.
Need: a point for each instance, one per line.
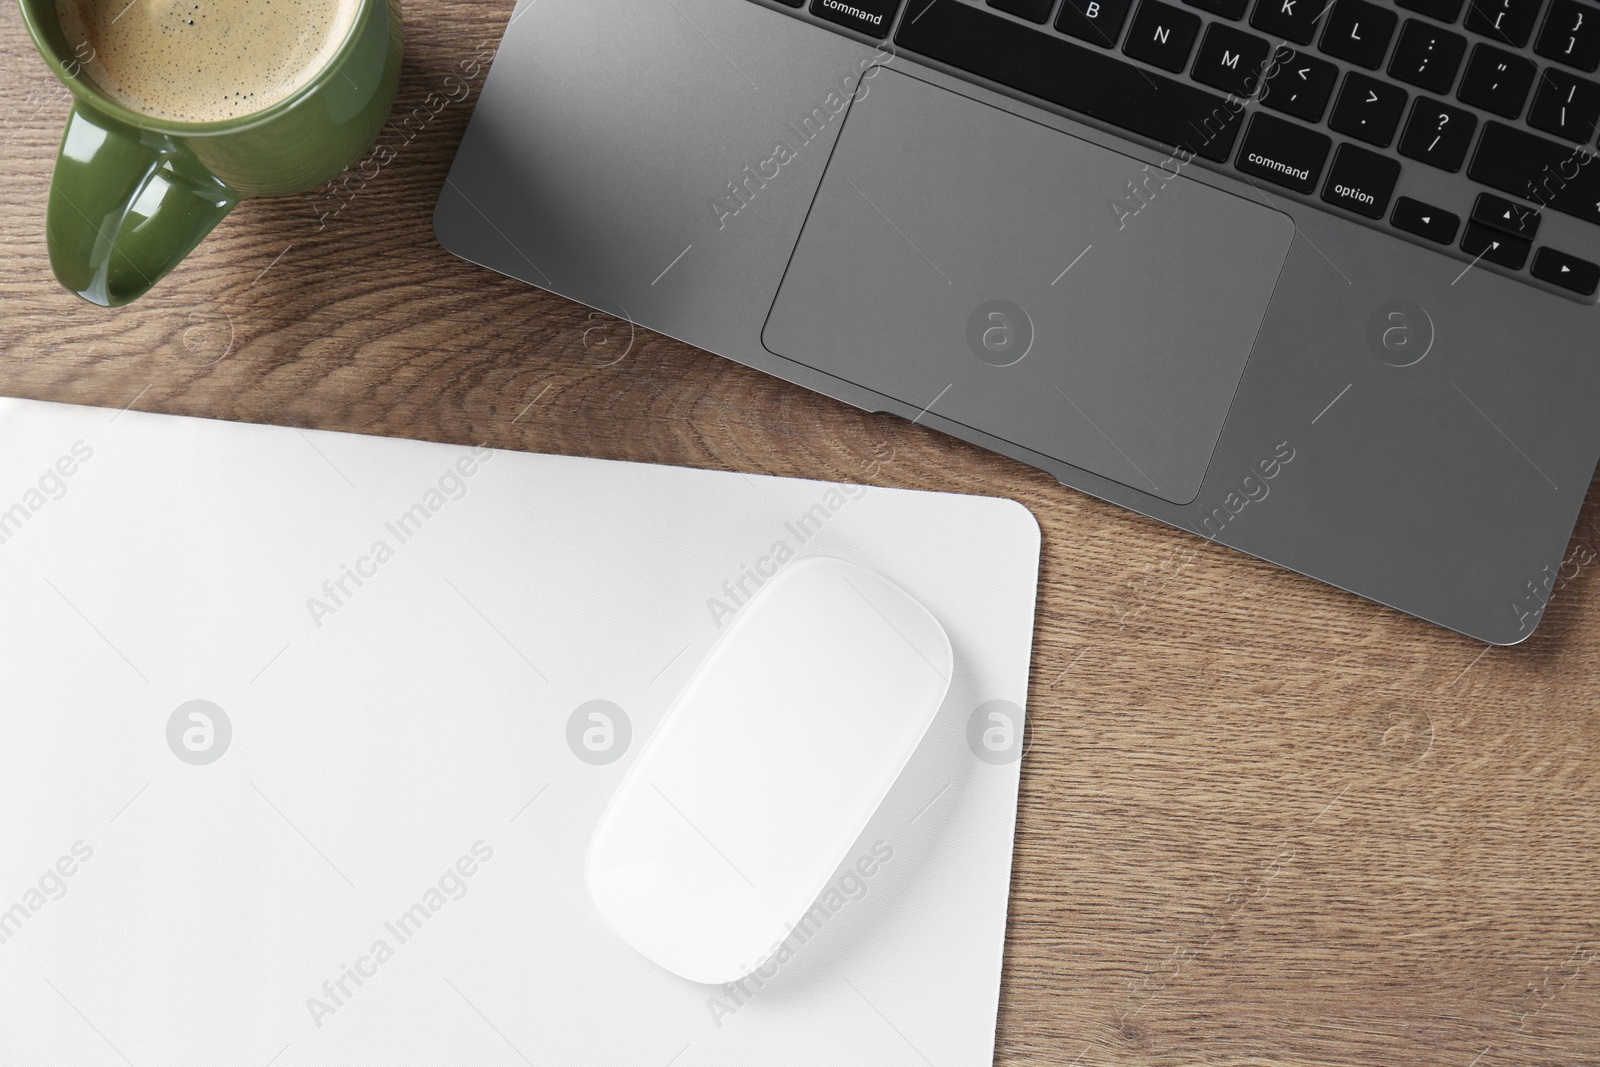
(124, 212)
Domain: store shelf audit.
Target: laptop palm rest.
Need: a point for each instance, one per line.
(1031, 285)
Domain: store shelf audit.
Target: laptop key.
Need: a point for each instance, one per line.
(1228, 9)
(1569, 272)
(1162, 35)
(1425, 220)
(1427, 56)
(1361, 181)
(1486, 242)
(1443, 10)
(1368, 109)
(1503, 215)
(1283, 153)
(1566, 105)
(1079, 79)
(1497, 81)
(1571, 35)
(1293, 20)
(871, 17)
(1438, 134)
(1359, 32)
(1097, 21)
(1554, 175)
(1032, 10)
(1299, 85)
(1507, 21)
(1231, 60)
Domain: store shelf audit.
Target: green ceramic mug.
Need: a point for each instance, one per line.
(133, 194)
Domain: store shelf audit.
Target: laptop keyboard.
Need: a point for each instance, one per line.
(1346, 96)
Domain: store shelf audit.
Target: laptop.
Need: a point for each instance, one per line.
(1313, 279)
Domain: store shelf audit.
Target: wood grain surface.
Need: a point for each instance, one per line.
(1262, 821)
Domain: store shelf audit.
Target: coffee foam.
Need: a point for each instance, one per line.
(203, 60)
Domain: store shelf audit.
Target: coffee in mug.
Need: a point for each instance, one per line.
(182, 109)
(204, 60)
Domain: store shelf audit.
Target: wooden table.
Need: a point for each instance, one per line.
(1262, 822)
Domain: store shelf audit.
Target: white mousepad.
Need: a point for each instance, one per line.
(306, 735)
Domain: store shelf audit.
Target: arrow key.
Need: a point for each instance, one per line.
(1503, 215)
(1425, 220)
(1495, 246)
(1569, 272)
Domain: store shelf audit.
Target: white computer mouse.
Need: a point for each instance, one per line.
(766, 768)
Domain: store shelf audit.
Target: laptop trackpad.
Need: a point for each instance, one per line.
(1030, 285)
